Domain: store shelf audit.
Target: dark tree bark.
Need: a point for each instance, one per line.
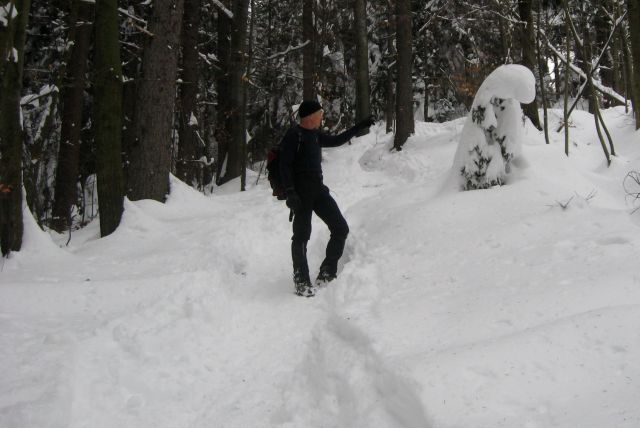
(223, 113)
(190, 148)
(308, 52)
(132, 70)
(12, 40)
(627, 65)
(542, 69)
(72, 105)
(527, 45)
(150, 158)
(363, 102)
(585, 54)
(567, 73)
(404, 86)
(237, 63)
(390, 100)
(634, 29)
(601, 24)
(108, 115)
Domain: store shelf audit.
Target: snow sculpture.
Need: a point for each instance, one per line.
(492, 133)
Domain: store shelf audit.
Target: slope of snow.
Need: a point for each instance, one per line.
(485, 308)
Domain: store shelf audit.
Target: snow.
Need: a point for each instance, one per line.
(7, 13)
(223, 8)
(492, 134)
(192, 120)
(484, 308)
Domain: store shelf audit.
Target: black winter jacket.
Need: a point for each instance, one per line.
(301, 151)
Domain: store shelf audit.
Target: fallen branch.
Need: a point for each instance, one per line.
(605, 90)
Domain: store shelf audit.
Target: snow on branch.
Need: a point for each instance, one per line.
(434, 14)
(289, 49)
(138, 19)
(128, 15)
(223, 8)
(30, 99)
(600, 87)
(7, 13)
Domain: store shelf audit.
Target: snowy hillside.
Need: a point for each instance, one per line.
(490, 308)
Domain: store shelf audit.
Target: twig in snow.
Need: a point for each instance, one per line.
(566, 204)
(631, 185)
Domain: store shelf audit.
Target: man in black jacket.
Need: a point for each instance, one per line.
(301, 174)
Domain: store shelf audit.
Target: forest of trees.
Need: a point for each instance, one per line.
(104, 99)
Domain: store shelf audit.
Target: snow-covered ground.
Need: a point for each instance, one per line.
(452, 309)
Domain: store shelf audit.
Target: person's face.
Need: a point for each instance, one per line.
(316, 118)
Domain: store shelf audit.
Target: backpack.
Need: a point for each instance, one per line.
(273, 174)
(273, 170)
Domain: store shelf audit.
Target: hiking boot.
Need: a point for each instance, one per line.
(303, 284)
(305, 289)
(324, 278)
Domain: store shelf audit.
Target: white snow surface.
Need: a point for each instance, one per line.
(508, 81)
(488, 308)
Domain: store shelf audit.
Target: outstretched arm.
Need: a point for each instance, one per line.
(327, 140)
(338, 140)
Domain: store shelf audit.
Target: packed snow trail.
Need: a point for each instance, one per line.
(451, 309)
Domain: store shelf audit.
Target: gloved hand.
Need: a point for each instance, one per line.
(366, 123)
(293, 200)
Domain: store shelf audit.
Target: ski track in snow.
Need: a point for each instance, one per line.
(486, 315)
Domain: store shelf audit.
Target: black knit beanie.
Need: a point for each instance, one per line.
(308, 107)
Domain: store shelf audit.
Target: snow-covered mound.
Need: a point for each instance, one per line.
(492, 134)
(516, 306)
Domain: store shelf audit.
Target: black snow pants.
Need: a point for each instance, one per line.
(315, 198)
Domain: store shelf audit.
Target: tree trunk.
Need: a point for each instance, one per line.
(586, 53)
(390, 100)
(13, 37)
(607, 67)
(542, 68)
(108, 115)
(237, 148)
(150, 161)
(634, 29)
(527, 43)
(72, 106)
(627, 65)
(308, 52)
(581, 46)
(363, 103)
(190, 147)
(404, 87)
(223, 113)
(567, 74)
